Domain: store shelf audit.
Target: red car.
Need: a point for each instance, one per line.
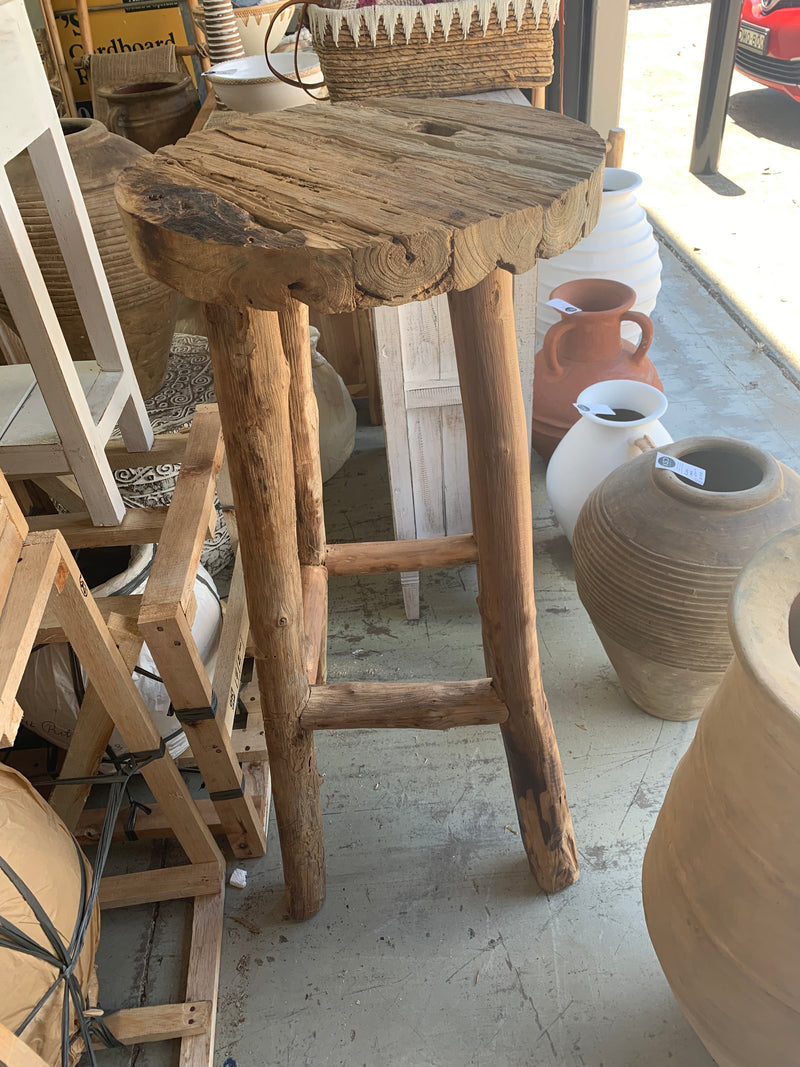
(768, 49)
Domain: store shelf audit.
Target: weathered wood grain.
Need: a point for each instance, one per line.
(358, 205)
(251, 378)
(403, 706)
(497, 452)
(378, 557)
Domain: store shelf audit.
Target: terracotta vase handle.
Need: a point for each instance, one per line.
(550, 347)
(647, 333)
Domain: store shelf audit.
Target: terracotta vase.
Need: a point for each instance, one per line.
(722, 869)
(153, 112)
(600, 442)
(583, 348)
(147, 310)
(621, 246)
(656, 557)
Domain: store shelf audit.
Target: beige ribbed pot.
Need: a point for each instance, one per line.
(721, 879)
(656, 558)
(147, 310)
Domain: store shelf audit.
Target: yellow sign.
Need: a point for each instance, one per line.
(119, 30)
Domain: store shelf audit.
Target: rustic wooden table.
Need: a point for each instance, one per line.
(353, 206)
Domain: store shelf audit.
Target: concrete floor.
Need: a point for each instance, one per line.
(435, 948)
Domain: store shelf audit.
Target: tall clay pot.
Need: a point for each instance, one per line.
(583, 348)
(621, 246)
(147, 310)
(154, 112)
(656, 557)
(722, 869)
(600, 442)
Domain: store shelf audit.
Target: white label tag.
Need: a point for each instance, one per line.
(594, 409)
(677, 466)
(562, 305)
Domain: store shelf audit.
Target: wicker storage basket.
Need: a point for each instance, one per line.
(441, 49)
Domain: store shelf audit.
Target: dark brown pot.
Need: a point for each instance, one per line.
(147, 310)
(154, 112)
(584, 348)
(656, 558)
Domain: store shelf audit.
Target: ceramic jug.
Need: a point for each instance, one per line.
(722, 869)
(152, 113)
(656, 557)
(618, 421)
(621, 246)
(583, 348)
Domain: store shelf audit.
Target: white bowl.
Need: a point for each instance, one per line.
(253, 23)
(247, 84)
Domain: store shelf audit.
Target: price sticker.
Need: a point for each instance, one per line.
(594, 409)
(677, 466)
(562, 305)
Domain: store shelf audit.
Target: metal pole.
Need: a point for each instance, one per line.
(191, 38)
(715, 86)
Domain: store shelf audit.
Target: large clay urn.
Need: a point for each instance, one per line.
(656, 557)
(721, 879)
(147, 310)
(583, 348)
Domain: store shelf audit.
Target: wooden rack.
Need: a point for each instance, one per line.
(38, 573)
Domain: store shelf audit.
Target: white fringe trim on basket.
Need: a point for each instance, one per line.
(406, 14)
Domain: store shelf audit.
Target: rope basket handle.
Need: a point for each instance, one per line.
(301, 21)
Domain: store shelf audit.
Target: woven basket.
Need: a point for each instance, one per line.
(442, 49)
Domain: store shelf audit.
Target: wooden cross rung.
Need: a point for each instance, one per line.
(167, 448)
(156, 825)
(169, 883)
(51, 632)
(140, 526)
(376, 557)
(403, 705)
(159, 1022)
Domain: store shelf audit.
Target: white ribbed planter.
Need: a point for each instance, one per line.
(621, 247)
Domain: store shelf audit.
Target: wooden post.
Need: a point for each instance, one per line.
(304, 417)
(616, 146)
(497, 451)
(251, 378)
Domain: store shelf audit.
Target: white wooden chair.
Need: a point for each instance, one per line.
(54, 412)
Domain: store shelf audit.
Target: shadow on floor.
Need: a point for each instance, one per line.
(767, 113)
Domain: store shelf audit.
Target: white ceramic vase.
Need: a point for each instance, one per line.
(597, 444)
(621, 247)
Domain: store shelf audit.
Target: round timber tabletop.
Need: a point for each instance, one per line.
(357, 205)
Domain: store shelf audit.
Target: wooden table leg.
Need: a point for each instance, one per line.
(304, 417)
(251, 380)
(499, 469)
